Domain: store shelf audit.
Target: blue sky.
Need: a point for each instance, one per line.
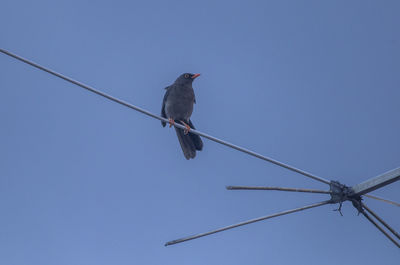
(86, 181)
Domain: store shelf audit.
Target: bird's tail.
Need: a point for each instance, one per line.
(189, 142)
(198, 143)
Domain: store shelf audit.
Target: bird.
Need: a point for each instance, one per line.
(177, 106)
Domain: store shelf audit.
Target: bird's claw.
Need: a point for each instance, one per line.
(171, 122)
(187, 128)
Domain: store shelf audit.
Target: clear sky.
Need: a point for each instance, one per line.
(86, 181)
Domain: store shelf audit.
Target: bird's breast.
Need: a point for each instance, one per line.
(180, 104)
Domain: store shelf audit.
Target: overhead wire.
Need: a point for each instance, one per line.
(141, 110)
(241, 149)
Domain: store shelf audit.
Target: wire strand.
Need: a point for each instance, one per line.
(381, 229)
(126, 104)
(381, 220)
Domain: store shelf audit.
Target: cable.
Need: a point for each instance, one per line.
(126, 104)
(380, 229)
(381, 220)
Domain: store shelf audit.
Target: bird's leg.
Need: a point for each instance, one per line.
(187, 128)
(171, 122)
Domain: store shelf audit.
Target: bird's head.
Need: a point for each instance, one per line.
(186, 78)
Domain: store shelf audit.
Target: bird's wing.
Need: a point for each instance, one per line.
(163, 106)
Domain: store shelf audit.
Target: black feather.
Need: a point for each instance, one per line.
(163, 123)
(198, 143)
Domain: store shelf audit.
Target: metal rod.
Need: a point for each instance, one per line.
(377, 182)
(382, 199)
(381, 220)
(380, 229)
(245, 223)
(91, 89)
(276, 188)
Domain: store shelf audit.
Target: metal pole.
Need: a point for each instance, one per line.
(380, 228)
(246, 222)
(377, 182)
(276, 188)
(382, 199)
(91, 89)
(381, 220)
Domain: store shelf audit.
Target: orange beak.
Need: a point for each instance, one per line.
(195, 76)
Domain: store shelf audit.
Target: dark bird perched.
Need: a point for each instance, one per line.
(177, 106)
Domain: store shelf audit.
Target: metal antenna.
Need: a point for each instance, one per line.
(119, 101)
(276, 188)
(246, 222)
(339, 193)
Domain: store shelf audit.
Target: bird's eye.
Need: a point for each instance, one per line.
(186, 75)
